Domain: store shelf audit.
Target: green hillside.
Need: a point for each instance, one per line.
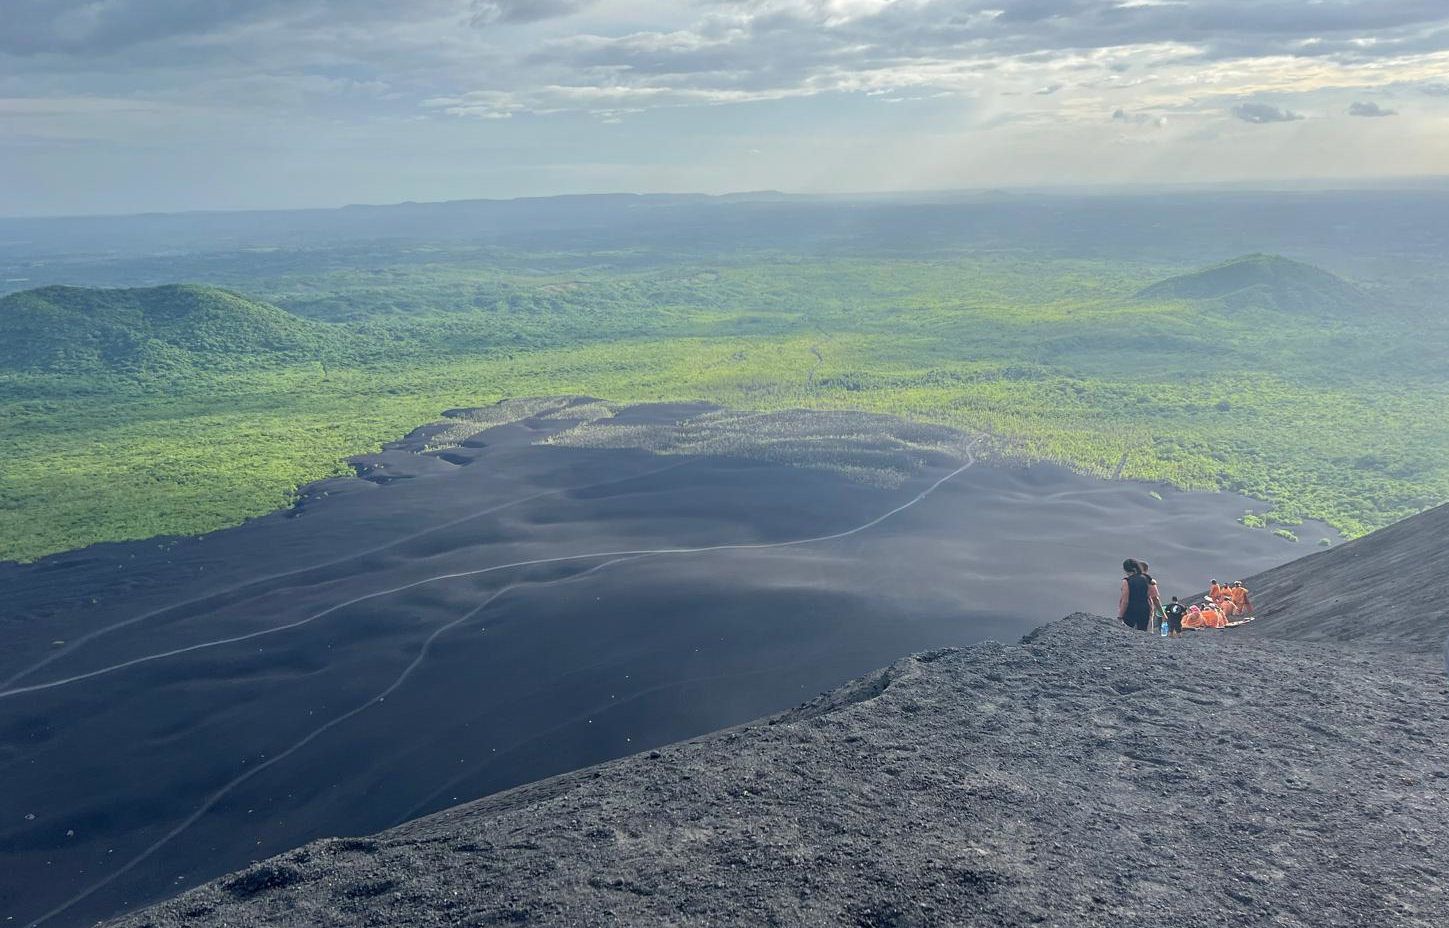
(136, 413)
(77, 330)
(1263, 282)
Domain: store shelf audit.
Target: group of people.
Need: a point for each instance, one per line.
(1141, 605)
(1229, 599)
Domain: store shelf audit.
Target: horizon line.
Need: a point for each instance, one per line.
(1265, 185)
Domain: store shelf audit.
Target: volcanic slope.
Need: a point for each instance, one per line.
(1087, 775)
(1385, 590)
(1264, 282)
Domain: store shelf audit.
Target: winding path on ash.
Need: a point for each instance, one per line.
(616, 556)
(258, 586)
(216, 720)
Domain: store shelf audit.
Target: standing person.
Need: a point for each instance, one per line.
(1154, 595)
(1175, 611)
(1240, 598)
(1134, 607)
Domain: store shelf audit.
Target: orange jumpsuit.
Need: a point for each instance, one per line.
(1212, 618)
(1240, 599)
(1215, 591)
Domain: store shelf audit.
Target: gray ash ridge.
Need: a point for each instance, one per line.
(1085, 776)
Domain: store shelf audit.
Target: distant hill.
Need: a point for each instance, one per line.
(1263, 282)
(78, 329)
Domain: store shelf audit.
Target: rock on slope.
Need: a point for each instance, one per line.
(1086, 776)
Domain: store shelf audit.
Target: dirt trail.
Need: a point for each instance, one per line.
(819, 358)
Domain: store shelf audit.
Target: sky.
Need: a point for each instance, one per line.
(158, 105)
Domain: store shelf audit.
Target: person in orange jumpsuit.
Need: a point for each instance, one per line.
(1240, 598)
(1212, 617)
(1215, 591)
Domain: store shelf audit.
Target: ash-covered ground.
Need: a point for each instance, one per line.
(506, 596)
(1087, 776)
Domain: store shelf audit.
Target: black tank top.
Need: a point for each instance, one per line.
(1137, 591)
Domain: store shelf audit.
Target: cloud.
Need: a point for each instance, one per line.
(525, 11)
(535, 73)
(81, 26)
(1369, 109)
(774, 49)
(1141, 119)
(1259, 113)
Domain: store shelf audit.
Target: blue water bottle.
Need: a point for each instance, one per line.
(1164, 623)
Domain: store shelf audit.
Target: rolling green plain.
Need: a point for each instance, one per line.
(183, 410)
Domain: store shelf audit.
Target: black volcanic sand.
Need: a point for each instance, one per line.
(1089, 776)
(188, 766)
(1385, 591)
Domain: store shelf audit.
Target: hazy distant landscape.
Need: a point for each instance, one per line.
(1282, 345)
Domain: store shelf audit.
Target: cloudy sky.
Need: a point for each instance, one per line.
(130, 105)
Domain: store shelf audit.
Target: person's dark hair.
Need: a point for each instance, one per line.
(1174, 599)
(1131, 566)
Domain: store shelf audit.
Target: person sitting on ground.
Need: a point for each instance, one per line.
(1193, 619)
(1212, 616)
(1134, 607)
(1175, 612)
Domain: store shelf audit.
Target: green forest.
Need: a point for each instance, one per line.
(133, 413)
